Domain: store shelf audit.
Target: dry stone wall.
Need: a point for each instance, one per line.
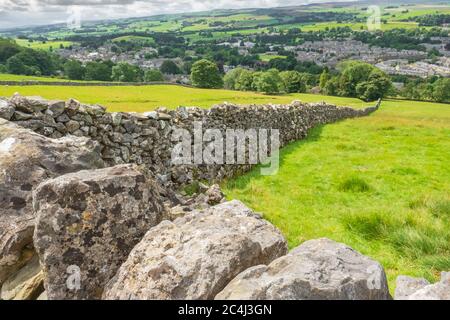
(145, 138)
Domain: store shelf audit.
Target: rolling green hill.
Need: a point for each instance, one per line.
(15, 77)
(224, 23)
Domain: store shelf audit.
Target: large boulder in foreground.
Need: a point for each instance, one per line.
(27, 159)
(87, 222)
(195, 256)
(316, 270)
(420, 289)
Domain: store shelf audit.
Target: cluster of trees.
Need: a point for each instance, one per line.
(432, 89)
(15, 59)
(223, 55)
(271, 81)
(108, 71)
(290, 63)
(432, 19)
(206, 74)
(357, 79)
(18, 60)
(351, 79)
(400, 39)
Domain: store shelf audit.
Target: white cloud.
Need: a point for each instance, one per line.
(15, 13)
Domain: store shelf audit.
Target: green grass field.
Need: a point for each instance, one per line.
(145, 98)
(43, 45)
(136, 39)
(268, 57)
(14, 77)
(380, 184)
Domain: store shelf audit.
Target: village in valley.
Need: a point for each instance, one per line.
(405, 43)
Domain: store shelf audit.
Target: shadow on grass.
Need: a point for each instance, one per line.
(241, 181)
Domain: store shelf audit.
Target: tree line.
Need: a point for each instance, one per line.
(432, 89)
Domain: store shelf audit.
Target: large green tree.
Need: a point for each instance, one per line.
(441, 90)
(125, 72)
(169, 67)
(74, 70)
(292, 81)
(8, 48)
(231, 78)
(353, 73)
(153, 75)
(98, 71)
(361, 80)
(205, 74)
(324, 77)
(245, 81)
(33, 62)
(15, 65)
(332, 86)
(269, 82)
(377, 86)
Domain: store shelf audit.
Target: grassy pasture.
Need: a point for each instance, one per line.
(43, 45)
(380, 184)
(15, 77)
(136, 39)
(145, 98)
(268, 57)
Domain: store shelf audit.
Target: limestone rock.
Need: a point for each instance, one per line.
(27, 159)
(32, 289)
(56, 108)
(87, 222)
(178, 211)
(6, 110)
(72, 107)
(316, 270)
(42, 296)
(72, 126)
(214, 195)
(437, 291)
(22, 116)
(195, 256)
(29, 104)
(405, 286)
(25, 284)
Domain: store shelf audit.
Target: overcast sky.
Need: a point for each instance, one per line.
(16, 13)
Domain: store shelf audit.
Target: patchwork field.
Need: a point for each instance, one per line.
(222, 24)
(137, 39)
(268, 57)
(44, 45)
(16, 77)
(380, 184)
